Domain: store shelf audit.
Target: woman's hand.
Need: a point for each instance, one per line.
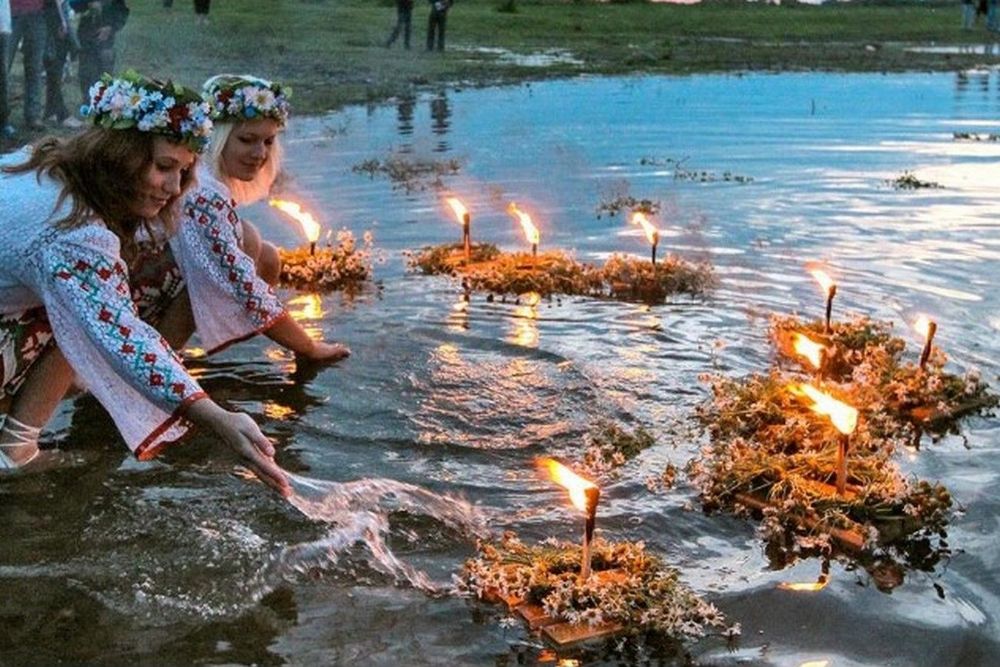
(244, 437)
(326, 352)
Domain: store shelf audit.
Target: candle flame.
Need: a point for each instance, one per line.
(923, 326)
(808, 348)
(843, 416)
(459, 208)
(652, 233)
(531, 232)
(569, 480)
(294, 210)
(823, 278)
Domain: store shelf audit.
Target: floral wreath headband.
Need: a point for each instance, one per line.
(242, 97)
(133, 101)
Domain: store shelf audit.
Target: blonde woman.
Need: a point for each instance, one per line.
(216, 266)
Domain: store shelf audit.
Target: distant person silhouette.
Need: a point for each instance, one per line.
(436, 23)
(404, 14)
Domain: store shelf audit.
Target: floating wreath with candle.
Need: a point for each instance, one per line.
(771, 454)
(631, 591)
(914, 390)
(341, 266)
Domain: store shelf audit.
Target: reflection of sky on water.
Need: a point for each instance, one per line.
(460, 396)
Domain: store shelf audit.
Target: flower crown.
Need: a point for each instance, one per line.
(133, 101)
(242, 97)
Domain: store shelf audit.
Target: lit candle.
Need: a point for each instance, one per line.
(844, 418)
(810, 349)
(652, 233)
(584, 495)
(531, 232)
(465, 219)
(829, 288)
(926, 327)
(308, 223)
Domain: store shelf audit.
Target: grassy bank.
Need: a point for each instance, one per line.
(331, 51)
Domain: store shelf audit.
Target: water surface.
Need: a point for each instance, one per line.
(429, 430)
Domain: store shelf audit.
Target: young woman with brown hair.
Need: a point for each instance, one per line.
(69, 213)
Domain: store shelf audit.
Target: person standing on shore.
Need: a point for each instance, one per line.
(60, 45)
(404, 14)
(29, 32)
(968, 14)
(201, 8)
(100, 22)
(436, 23)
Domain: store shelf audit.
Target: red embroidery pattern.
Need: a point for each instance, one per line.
(217, 223)
(148, 359)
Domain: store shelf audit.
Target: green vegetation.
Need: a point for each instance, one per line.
(331, 51)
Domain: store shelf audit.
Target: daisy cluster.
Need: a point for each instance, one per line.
(345, 265)
(133, 101)
(642, 593)
(247, 98)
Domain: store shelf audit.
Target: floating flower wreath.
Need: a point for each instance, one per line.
(241, 97)
(133, 101)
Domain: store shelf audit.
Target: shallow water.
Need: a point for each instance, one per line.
(429, 430)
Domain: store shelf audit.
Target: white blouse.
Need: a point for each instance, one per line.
(230, 302)
(79, 277)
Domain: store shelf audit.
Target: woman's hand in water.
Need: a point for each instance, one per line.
(241, 433)
(325, 352)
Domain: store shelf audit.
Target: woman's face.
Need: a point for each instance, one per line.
(249, 148)
(161, 183)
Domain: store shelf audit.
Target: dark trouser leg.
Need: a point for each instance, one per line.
(396, 29)
(55, 61)
(441, 23)
(4, 109)
(435, 24)
(405, 16)
(30, 30)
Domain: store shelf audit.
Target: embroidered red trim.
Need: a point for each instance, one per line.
(277, 318)
(149, 448)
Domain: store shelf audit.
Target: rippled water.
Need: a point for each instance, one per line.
(429, 430)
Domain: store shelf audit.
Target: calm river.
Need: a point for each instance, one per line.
(179, 561)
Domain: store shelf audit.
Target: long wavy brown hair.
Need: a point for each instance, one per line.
(101, 172)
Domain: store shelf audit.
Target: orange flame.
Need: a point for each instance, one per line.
(531, 232)
(652, 233)
(818, 585)
(843, 416)
(923, 325)
(294, 210)
(823, 278)
(459, 208)
(808, 348)
(569, 480)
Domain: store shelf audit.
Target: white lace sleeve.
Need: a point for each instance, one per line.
(229, 300)
(122, 360)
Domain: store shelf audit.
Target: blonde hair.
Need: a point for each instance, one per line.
(244, 192)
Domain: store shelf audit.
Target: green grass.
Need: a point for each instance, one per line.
(331, 51)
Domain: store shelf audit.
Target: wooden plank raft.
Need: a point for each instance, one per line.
(850, 538)
(557, 631)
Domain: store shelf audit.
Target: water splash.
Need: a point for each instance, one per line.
(359, 515)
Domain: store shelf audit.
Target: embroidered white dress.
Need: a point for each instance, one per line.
(230, 302)
(80, 279)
